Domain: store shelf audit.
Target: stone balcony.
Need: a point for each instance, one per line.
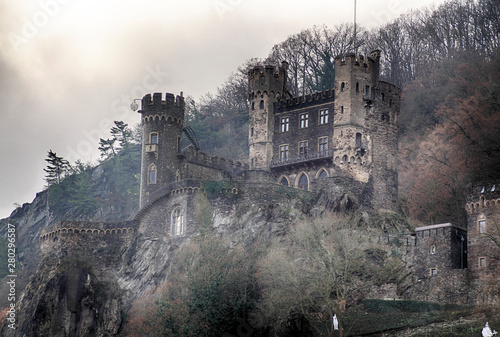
(310, 157)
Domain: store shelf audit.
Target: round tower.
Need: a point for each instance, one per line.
(162, 124)
(365, 127)
(266, 87)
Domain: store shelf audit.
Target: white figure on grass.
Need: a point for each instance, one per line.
(487, 331)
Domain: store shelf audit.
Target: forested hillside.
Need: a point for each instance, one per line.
(446, 61)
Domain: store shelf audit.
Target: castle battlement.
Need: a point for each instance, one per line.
(359, 60)
(304, 101)
(68, 233)
(158, 103)
(83, 227)
(482, 195)
(268, 70)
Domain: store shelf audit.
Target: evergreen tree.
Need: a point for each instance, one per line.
(56, 169)
(107, 147)
(122, 133)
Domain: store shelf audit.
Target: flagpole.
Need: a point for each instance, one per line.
(355, 48)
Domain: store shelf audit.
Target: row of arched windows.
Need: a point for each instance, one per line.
(302, 182)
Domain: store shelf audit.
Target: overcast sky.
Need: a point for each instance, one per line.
(69, 68)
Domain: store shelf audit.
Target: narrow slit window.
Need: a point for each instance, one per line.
(152, 174)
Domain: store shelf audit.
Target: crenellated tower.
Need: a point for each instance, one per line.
(266, 87)
(162, 124)
(365, 126)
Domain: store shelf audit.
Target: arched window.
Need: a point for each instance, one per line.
(253, 105)
(303, 183)
(433, 249)
(359, 137)
(261, 104)
(152, 174)
(284, 181)
(322, 174)
(345, 159)
(342, 86)
(357, 86)
(177, 222)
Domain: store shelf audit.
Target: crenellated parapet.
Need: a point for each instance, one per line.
(229, 166)
(267, 79)
(482, 196)
(369, 62)
(85, 231)
(299, 102)
(170, 109)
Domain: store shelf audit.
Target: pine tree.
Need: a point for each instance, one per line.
(56, 169)
(122, 133)
(107, 147)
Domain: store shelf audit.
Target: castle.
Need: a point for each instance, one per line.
(348, 133)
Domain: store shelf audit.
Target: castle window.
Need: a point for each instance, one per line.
(177, 222)
(284, 181)
(367, 92)
(153, 138)
(303, 183)
(345, 158)
(251, 131)
(261, 105)
(482, 262)
(482, 226)
(342, 87)
(382, 97)
(178, 176)
(357, 86)
(358, 140)
(323, 117)
(322, 174)
(342, 109)
(284, 152)
(152, 174)
(179, 144)
(285, 124)
(493, 188)
(433, 271)
(303, 148)
(433, 250)
(304, 120)
(323, 145)
(253, 105)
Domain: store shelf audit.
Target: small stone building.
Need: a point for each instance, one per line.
(439, 249)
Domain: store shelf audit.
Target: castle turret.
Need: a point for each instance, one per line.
(162, 124)
(266, 87)
(365, 126)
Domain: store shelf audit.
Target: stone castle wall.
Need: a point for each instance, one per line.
(483, 227)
